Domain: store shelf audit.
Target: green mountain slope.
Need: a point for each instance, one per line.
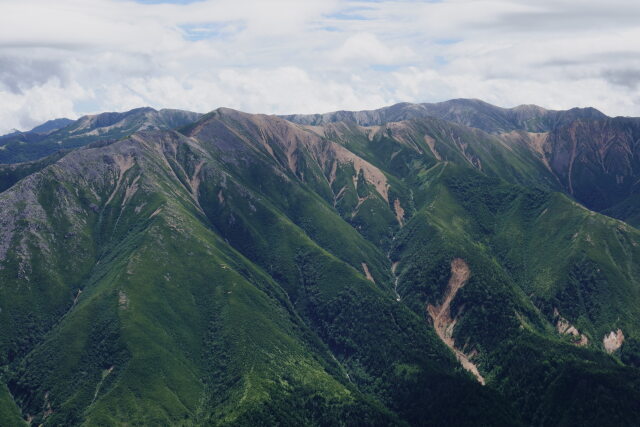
(592, 157)
(210, 337)
(628, 210)
(249, 270)
(583, 275)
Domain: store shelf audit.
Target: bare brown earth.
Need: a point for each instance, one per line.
(123, 164)
(397, 207)
(367, 273)
(194, 182)
(432, 145)
(613, 340)
(293, 140)
(441, 315)
(564, 327)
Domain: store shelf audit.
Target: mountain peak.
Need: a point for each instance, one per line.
(52, 125)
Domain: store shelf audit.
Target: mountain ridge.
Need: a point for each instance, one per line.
(547, 133)
(30, 146)
(246, 270)
(496, 119)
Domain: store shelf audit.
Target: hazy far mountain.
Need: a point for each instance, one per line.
(61, 134)
(468, 112)
(51, 125)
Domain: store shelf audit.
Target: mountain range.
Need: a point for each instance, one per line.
(422, 264)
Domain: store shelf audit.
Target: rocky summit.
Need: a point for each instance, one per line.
(454, 264)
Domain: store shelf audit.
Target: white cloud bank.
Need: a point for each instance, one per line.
(71, 57)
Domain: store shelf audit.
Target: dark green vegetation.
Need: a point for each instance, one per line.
(248, 270)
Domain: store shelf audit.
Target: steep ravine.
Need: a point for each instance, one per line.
(441, 315)
(396, 278)
(394, 274)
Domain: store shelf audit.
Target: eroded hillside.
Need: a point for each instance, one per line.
(251, 270)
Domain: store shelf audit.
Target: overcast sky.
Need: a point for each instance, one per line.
(66, 58)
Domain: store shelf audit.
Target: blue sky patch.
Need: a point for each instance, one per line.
(211, 30)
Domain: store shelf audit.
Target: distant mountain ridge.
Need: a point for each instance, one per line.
(51, 125)
(600, 169)
(60, 134)
(467, 112)
(595, 158)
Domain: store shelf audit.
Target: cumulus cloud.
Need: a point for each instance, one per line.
(72, 57)
(366, 48)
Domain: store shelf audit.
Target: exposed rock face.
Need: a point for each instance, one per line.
(367, 273)
(613, 341)
(444, 324)
(564, 327)
(397, 207)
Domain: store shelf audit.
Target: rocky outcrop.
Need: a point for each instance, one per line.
(564, 327)
(613, 340)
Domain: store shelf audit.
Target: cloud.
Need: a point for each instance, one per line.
(368, 49)
(41, 103)
(18, 73)
(72, 57)
(628, 78)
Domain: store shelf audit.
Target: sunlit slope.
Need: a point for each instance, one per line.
(147, 313)
(150, 336)
(248, 270)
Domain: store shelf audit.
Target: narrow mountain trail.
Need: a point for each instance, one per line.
(441, 315)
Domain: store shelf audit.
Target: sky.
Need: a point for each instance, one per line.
(67, 58)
